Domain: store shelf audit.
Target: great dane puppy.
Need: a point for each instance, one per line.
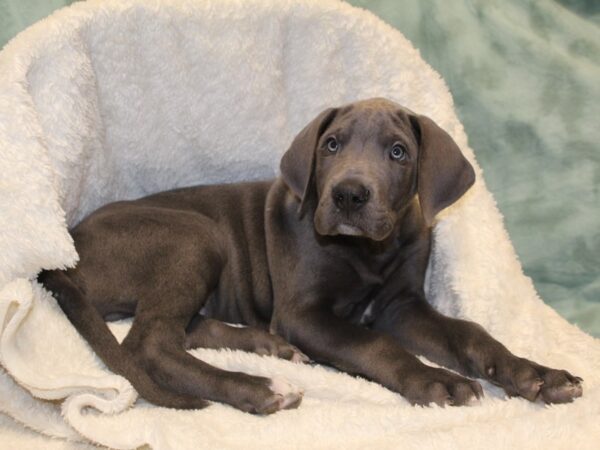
(327, 261)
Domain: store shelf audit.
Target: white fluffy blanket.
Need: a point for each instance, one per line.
(115, 99)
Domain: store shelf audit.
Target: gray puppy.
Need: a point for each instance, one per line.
(327, 261)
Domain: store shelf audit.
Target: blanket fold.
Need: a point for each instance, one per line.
(116, 99)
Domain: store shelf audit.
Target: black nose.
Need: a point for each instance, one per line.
(350, 195)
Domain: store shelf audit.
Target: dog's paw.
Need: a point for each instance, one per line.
(441, 387)
(260, 395)
(273, 345)
(283, 396)
(521, 377)
(560, 386)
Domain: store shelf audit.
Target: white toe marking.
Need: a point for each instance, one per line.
(289, 392)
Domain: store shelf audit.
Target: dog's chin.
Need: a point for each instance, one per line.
(347, 228)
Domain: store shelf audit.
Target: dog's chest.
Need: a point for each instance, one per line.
(364, 279)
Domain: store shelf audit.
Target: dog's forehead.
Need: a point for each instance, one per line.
(371, 116)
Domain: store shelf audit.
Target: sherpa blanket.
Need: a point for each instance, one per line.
(114, 99)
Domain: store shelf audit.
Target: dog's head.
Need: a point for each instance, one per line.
(365, 162)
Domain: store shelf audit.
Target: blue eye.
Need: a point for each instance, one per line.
(332, 144)
(398, 152)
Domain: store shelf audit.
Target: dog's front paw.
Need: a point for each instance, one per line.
(519, 376)
(560, 386)
(440, 386)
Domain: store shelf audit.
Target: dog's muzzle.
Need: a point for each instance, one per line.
(351, 209)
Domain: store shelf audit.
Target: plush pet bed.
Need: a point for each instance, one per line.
(115, 99)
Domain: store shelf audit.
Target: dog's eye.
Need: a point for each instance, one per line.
(398, 152)
(332, 144)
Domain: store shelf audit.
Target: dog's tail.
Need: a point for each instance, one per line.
(90, 324)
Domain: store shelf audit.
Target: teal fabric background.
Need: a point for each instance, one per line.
(525, 76)
(16, 15)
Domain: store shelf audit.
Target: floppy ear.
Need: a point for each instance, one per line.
(444, 174)
(297, 164)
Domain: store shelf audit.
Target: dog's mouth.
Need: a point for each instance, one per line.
(349, 230)
(374, 225)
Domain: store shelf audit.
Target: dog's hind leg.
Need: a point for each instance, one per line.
(158, 342)
(211, 333)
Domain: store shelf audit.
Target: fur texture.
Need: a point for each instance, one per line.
(115, 99)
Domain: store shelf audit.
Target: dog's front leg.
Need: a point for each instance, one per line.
(329, 339)
(467, 348)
